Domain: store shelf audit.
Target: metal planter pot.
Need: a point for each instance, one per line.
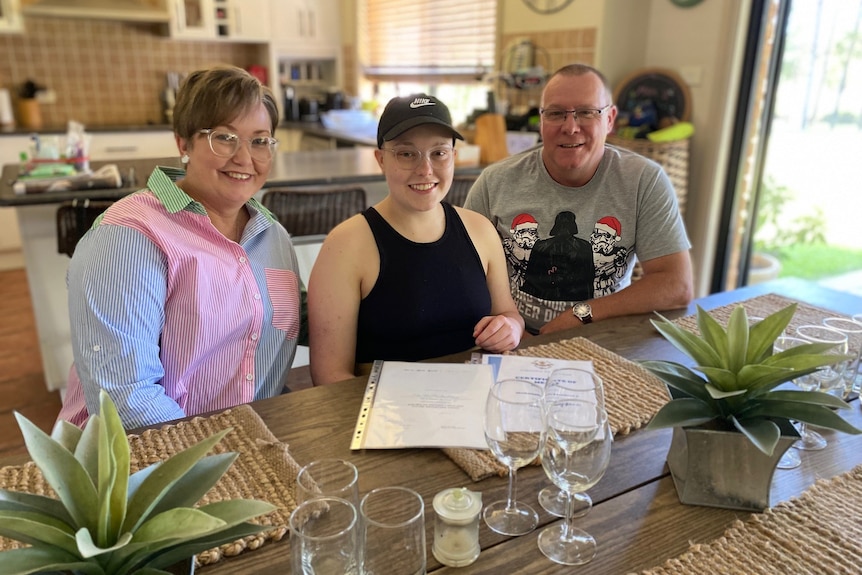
(723, 468)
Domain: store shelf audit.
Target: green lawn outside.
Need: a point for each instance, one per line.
(818, 261)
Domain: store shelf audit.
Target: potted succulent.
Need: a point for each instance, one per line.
(108, 521)
(731, 424)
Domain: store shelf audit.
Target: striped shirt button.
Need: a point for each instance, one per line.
(257, 296)
(254, 337)
(97, 348)
(242, 259)
(249, 376)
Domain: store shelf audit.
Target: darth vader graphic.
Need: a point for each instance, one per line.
(561, 267)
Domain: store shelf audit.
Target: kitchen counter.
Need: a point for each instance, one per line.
(341, 138)
(344, 165)
(61, 130)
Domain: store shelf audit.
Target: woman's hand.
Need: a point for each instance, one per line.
(498, 333)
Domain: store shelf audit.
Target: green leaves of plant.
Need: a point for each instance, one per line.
(107, 521)
(740, 372)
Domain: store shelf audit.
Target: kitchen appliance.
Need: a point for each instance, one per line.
(291, 104)
(309, 110)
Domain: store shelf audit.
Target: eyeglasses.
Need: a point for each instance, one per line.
(409, 158)
(554, 116)
(226, 144)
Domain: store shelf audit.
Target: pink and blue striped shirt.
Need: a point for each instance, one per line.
(172, 318)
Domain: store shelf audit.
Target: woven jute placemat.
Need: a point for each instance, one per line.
(816, 533)
(263, 470)
(764, 305)
(632, 396)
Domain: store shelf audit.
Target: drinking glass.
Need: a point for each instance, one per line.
(830, 377)
(333, 477)
(514, 430)
(570, 383)
(393, 532)
(824, 379)
(575, 455)
(791, 459)
(853, 330)
(324, 538)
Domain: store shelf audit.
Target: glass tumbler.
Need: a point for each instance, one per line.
(328, 477)
(393, 532)
(324, 538)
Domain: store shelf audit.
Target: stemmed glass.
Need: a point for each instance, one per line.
(514, 430)
(575, 455)
(570, 383)
(853, 330)
(791, 459)
(824, 379)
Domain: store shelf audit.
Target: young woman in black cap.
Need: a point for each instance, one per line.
(412, 277)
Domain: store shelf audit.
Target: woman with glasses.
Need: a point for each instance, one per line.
(184, 296)
(412, 277)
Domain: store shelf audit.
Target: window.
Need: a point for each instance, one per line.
(443, 47)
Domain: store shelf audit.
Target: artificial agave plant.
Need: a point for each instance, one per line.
(106, 521)
(739, 372)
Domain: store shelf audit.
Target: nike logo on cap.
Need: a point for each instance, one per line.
(420, 102)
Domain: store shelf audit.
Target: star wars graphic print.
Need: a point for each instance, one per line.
(564, 267)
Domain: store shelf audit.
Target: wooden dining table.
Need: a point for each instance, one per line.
(637, 518)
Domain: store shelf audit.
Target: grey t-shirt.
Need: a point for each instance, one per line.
(564, 245)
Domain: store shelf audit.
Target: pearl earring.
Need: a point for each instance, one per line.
(185, 159)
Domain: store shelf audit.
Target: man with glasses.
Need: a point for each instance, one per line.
(583, 192)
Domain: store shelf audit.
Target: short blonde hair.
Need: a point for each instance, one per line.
(215, 96)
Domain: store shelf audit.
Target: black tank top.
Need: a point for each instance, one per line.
(427, 298)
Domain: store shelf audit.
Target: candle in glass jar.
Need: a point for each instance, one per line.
(456, 529)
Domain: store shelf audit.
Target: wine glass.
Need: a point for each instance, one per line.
(824, 379)
(514, 430)
(570, 383)
(576, 453)
(791, 459)
(853, 330)
(831, 376)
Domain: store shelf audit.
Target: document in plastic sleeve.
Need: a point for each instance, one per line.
(411, 404)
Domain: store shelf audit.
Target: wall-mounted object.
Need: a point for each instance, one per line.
(547, 6)
(662, 90)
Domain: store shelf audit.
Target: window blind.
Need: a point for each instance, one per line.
(443, 38)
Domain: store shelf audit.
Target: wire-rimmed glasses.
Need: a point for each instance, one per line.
(409, 157)
(570, 383)
(580, 115)
(226, 144)
(515, 432)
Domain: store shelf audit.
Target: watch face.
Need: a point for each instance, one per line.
(582, 310)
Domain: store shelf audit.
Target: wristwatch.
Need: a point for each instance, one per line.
(583, 312)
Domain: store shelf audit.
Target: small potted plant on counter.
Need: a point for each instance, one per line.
(108, 521)
(730, 422)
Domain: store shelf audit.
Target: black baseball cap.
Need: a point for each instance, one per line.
(401, 114)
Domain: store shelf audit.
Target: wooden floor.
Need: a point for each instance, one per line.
(22, 383)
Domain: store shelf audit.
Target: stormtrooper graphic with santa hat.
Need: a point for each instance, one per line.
(609, 258)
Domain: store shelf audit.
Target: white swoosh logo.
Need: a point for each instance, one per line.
(420, 104)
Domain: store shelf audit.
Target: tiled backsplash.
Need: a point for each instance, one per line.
(106, 73)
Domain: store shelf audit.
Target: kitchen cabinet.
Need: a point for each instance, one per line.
(193, 19)
(10, 237)
(133, 145)
(10, 17)
(309, 28)
(233, 20)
